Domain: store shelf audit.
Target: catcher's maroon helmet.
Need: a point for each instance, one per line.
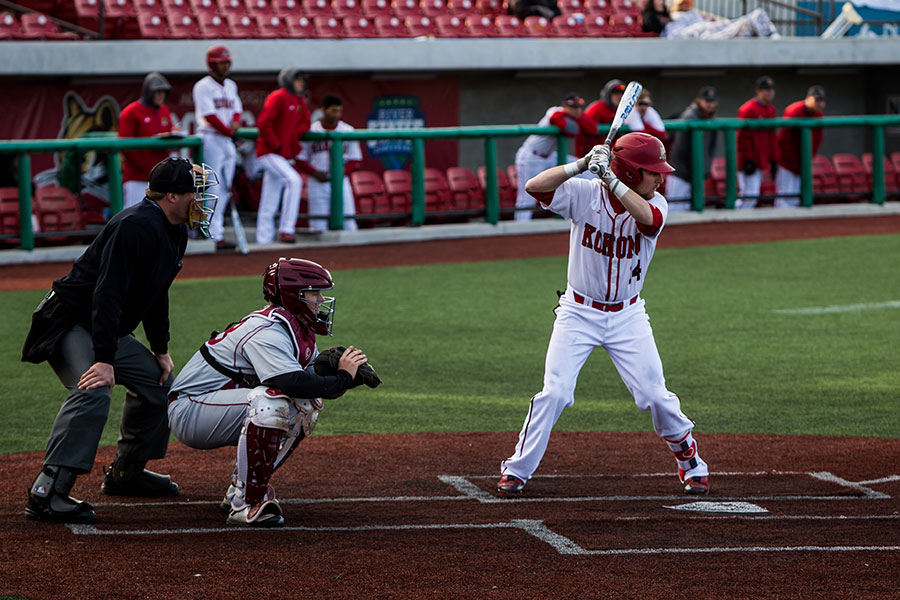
(635, 151)
(217, 54)
(283, 284)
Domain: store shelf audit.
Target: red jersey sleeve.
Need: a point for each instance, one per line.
(653, 228)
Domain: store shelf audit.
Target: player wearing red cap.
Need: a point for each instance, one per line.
(616, 222)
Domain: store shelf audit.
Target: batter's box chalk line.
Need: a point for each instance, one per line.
(536, 528)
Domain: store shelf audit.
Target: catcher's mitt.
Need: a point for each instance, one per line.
(326, 363)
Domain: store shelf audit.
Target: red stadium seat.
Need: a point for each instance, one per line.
(895, 160)
(451, 26)
(346, 8)
(465, 192)
(195, 7)
(213, 26)
(87, 14)
(506, 192)
(398, 186)
(437, 190)
(118, 9)
(480, 26)
(328, 27)
(489, 7)
(272, 26)
(242, 26)
(420, 26)
(567, 26)
(461, 8)
(232, 8)
(153, 7)
(317, 8)
(824, 176)
(630, 7)
(369, 193)
(183, 27)
(596, 26)
(299, 26)
(9, 213)
(433, 8)
(568, 7)
(376, 8)
(406, 8)
(260, 8)
(10, 28)
(598, 7)
(36, 26)
(890, 174)
(512, 175)
(851, 175)
(389, 26)
(287, 8)
(153, 27)
(625, 24)
(509, 26)
(357, 26)
(538, 27)
(57, 209)
(717, 176)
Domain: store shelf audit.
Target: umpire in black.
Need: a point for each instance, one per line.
(84, 329)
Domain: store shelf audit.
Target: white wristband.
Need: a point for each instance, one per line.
(572, 169)
(618, 188)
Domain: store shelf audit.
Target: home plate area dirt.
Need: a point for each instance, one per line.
(418, 516)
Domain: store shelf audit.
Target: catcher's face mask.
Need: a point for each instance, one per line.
(323, 309)
(203, 203)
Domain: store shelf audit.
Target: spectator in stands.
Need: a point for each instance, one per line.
(283, 120)
(534, 8)
(755, 147)
(538, 152)
(678, 184)
(315, 159)
(688, 23)
(787, 151)
(645, 118)
(655, 16)
(599, 111)
(147, 117)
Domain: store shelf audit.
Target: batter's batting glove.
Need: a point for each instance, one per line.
(326, 363)
(601, 158)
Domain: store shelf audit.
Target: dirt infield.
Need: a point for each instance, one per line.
(40, 276)
(415, 516)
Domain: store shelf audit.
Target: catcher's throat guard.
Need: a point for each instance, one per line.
(203, 203)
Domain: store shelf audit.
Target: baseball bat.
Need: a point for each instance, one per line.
(626, 104)
(239, 230)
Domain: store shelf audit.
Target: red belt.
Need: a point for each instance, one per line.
(602, 306)
(173, 397)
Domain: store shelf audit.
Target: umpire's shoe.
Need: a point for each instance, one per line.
(130, 478)
(48, 498)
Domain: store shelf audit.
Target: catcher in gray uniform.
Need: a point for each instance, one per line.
(259, 385)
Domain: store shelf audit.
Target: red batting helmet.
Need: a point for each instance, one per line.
(635, 151)
(217, 54)
(283, 284)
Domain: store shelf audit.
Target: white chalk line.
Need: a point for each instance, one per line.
(823, 310)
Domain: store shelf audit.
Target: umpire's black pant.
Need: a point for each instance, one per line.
(144, 433)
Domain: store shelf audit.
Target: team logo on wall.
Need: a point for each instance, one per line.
(393, 112)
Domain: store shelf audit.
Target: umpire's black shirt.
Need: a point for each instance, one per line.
(123, 278)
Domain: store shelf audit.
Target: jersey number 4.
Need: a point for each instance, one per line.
(636, 272)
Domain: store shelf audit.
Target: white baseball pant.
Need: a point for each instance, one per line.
(320, 204)
(627, 337)
(210, 420)
(219, 153)
(678, 193)
(529, 164)
(281, 185)
(748, 187)
(133, 192)
(787, 186)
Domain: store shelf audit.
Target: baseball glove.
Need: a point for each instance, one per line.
(326, 363)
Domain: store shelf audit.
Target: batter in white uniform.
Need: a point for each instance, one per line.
(615, 226)
(314, 159)
(218, 109)
(253, 386)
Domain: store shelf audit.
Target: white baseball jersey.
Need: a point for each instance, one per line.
(317, 153)
(542, 145)
(608, 254)
(212, 97)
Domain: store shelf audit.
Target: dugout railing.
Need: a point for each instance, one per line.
(875, 124)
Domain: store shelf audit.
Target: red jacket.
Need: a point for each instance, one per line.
(756, 145)
(139, 120)
(787, 153)
(598, 112)
(283, 121)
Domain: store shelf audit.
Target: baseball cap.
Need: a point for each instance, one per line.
(174, 175)
(708, 93)
(817, 92)
(573, 99)
(765, 83)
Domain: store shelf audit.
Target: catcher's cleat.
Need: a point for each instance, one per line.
(696, 485)
(125, 478)
(49, 500)
(264, 514)
(510, 484)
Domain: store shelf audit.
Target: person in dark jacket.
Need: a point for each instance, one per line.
(655, 16)
(678, 184)
(84, 328)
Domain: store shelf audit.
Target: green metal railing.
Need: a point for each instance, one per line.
(25, 148)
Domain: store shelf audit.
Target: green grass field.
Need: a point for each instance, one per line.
(461, 347)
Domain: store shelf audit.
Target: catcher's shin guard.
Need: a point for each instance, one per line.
(48, 498)
(268, 419)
